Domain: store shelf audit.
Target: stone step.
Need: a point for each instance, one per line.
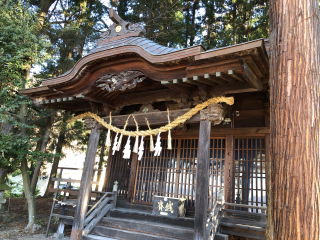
(125, 234)
(148, 216)
(148, 227)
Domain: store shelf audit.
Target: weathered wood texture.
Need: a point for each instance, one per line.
(294, 94)
(202, 181)
(83, 197)
(132, 177)
(229, 170)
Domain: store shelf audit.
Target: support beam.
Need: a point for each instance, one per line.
(204, 80)
(236, 75)
(200, 219)
(132, 177)
(85, 186)
(250, 76)
(214, 79)
(225, 77)
(229, 170)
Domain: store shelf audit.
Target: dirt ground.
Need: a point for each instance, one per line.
(13, 222)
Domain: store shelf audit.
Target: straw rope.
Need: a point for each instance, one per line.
(175, 123)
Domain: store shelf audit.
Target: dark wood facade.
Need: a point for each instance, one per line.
(148, 79)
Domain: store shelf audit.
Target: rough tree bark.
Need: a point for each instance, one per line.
(294, 94)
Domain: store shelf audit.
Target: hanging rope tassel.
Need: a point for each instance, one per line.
(120, 139)
(151, 139)
(109, 134)
(169, 133)
(136, 143)
(141, 149)
(127, 149)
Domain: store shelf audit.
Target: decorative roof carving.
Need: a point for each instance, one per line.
(125, 80)
(121, 27)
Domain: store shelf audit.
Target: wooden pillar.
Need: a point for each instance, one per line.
(85, 185)
(202, 182)
(229, 170)
(108, 170)
(132, 177)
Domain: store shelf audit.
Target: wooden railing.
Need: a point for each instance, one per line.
(236, 222)
(214, 220)
(107, 202)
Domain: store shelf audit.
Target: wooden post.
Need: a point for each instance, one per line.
(229, 171)
(85, 185)
(202, 181)
(132, 177)
(108, 170)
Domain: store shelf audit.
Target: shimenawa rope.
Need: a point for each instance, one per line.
(175, 123)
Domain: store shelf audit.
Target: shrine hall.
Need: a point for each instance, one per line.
(188, 138)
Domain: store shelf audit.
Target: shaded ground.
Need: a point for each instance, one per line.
(13, 222)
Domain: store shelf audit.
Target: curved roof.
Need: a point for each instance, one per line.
(146, 44)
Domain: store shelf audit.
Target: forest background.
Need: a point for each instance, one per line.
(41, 39)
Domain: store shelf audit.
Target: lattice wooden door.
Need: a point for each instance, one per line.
(250, 172)
(173, 174)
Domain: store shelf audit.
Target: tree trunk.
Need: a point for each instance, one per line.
(294, 94)
(55, 164)
(42, 149)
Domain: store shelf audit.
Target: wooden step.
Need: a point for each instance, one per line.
(95, 237)
(124, 213)
(148, 227)
(125, 234)
(242, 230)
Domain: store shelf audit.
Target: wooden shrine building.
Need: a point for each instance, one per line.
(129, 74)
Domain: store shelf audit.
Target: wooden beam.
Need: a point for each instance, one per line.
(202, 181)
(250, 76)
(214, 79)
(204, 80)
(154, 118)
(85, 186)
(254, 66)
(179, 88)
(236, 75)
(229, 170)
(132, 177)
(186, 80)
(180, 82)
(225, 77)
(139, 98)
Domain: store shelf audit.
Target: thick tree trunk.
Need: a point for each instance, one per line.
(42, 149)
(294, 94)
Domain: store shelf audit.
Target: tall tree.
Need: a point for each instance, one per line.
(295, 109)
(20, 47)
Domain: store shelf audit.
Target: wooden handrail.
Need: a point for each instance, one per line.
(71, 180)
(245, 206)
(68, 168)
(97, 203)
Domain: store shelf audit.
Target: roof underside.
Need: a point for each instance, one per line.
(135, 70)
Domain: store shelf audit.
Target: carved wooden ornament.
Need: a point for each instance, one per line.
(214, 113)
(125, 80)
(121, 27)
